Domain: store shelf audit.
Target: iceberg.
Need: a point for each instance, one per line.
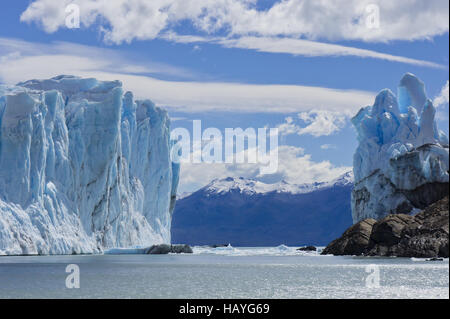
(402, 160)
(83, 167)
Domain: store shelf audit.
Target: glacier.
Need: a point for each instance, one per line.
(401, 163)
(83, 167)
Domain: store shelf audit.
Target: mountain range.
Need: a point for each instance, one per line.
(247, 212)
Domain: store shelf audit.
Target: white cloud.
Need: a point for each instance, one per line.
(345, 20)
(316, 123)
(294, 166)
(314, 49)
(320, 122)
(442, 98)
(239, 97)
(286, 27)
(174, 37)
(441, 102)
(297, 167)
(176, 118)
(71, 57)
(288, 127)
(296, 47)
(44, 61)
(328, 146)
(124, 20)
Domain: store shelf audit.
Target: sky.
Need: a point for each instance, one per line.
(303, 66)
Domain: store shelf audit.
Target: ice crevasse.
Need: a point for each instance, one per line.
(83, 167)
(401, 164)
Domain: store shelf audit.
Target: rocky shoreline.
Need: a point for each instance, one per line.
(424, 235)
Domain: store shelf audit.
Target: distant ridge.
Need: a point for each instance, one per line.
(246, 212)
(250, 186)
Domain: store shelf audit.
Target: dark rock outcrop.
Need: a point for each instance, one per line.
(354, 240)
(166, 249)
(425, 235)
(307, 248)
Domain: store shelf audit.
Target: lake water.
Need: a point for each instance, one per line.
(279, 272)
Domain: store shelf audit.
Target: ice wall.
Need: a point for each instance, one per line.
(402, 161)
(83, 167)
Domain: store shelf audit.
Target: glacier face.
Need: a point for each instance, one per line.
(402, 160)
(83, 167)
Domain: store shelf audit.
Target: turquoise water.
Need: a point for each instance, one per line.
(280, 272)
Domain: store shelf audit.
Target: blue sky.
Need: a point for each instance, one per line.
(241, 63)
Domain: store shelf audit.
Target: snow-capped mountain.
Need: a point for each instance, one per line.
(402, 160)
(247, 212)
(251, 187)
(83, 167)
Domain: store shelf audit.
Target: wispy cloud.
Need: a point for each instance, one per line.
(314, 49)
(297, 47)
(328, 146)
(84, 58)
(43, 61)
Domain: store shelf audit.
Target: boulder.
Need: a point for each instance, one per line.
(425, 235)
(354, 240)
(389, 230)
(218, 245)
(178, 249)
(307, 248)
(165, 249)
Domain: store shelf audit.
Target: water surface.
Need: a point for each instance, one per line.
(279, 272)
